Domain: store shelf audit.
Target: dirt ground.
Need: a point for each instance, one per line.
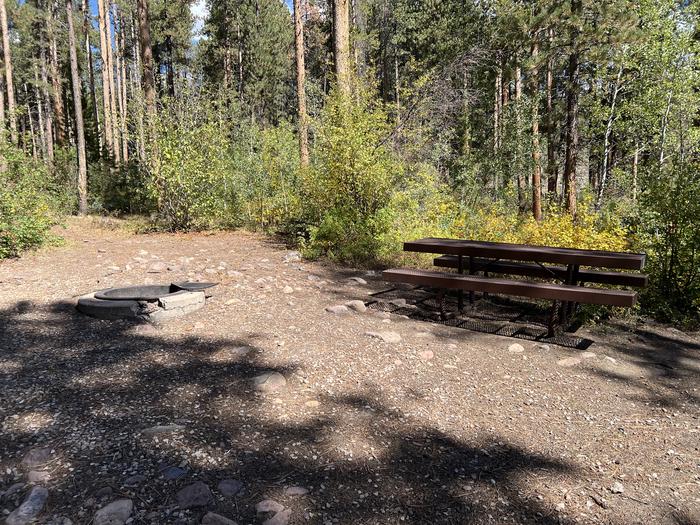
(437, 425)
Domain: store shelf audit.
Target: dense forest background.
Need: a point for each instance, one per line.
(351, 125)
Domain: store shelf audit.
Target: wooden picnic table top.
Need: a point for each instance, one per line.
(524, 252)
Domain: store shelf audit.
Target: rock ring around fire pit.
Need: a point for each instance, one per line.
(146, 302)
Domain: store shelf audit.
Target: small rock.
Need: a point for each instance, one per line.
(312, 403)
(617, 488)
(36, 457)
(544, 348)
(516, 348)
(216, 519)
(281, 518)
(611, 359)
(426, 355)
(587, 355)
(358, 306)
(230, 487)
(115, 513)
(357, 280)
(173, 473)
(158, 267)
(387, 337)
(30, 508)
(104, 492)
(195, 495)
(340, 309)
(38, 476)
(162, 429)
(269, 382)
(135, 480)
(12, 490)
(569, 361)
(292, 257)
(59, 520)
(268, 505)
(296, 491)
(288, 290)
(398, 302)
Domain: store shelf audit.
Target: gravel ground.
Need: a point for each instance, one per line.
(264, 407)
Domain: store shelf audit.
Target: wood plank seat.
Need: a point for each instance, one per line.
(529, 269)
(473, 283)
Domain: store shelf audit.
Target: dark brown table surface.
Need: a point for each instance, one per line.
(524, 252)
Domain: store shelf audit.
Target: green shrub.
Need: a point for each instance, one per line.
(351, 180)
(30, 202)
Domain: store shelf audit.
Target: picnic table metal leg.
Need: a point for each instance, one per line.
(460, 294)
(471, 272)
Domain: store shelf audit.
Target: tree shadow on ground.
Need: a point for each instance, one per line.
(88, 389)
(669, 367)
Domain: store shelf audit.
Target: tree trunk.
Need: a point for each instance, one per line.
(9, 84)
(552, 182)
(48, 121)
(520, 175)
(78, 110)
(536, 154)
(40, 115)
(301, 85)
(606, 141)
(572, 131)
(30, 119)
(635, 164)
(114, 114)
(341, 45)
(123, 93)
(147, 78)
(87, 24)
(59, 113)
(106, 108)
(497, 112)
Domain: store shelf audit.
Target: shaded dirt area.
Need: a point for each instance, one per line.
(442, 426)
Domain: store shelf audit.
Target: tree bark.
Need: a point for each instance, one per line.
(341, 45)
(87, 23)
(536, 154)
(301, 85)
(9, 84)
(572, 100)
(48, 121)
(147, 78)
(114, 113)
(106, 107)
(552, 181)
(121, 46)
(520, 176)
(59, 114)
(606, 141)
(78, 110)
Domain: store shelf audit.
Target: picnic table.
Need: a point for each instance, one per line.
(570, 269)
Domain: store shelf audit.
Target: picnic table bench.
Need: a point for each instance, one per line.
(561, 265)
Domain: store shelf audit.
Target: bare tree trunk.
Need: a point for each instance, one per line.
(30, 118)
(341, 45)
(9, 84)
(572, 131)
(48, 121)
(497, 112)
(147, 79)
(606, 141)
(397, 88)
(59, 114)
(552, 182)
(520, 176)
(114, 114)
(124, 100)
(536, 154)
(78, 109)
(240, 62)
(106, 108)
(301, 85)
(40, 114)
(136, 73)
(87, 23)
(635, 164)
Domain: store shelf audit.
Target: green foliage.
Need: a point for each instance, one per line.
(191, 175)
(29, 203)
(351, 180)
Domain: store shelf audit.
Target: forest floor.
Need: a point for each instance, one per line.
(417, 423)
